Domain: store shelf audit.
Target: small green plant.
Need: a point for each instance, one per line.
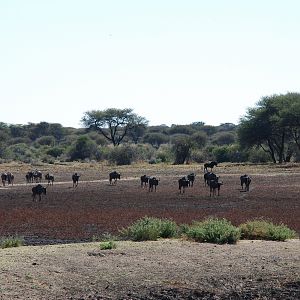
(149, 228)
(108, 245)
(11, 241)
(265, 230)
(213, 230)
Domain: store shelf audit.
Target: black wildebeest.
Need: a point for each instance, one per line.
(49, 178)
(208, 176)
(245, 180)
(114, 176)
(75, 179)
(214, 185)
(191, 179)
(3, 178)
(144, 180)
(37, 176)
(38, 190)
(153, 183)
(183, 183)
(210, 165)
(9, 177)
(29, 177)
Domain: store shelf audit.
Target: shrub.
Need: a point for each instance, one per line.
(265, 230)
(11, 241)
(212, 230)
(108, 245)
(122, 155)
(149, 228)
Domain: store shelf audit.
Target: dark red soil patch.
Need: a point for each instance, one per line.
(94, 208)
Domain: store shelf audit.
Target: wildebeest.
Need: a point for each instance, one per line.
(144, 180)
(208, 176)
(29, 177)
(214, 185)
(114, 176)
(9, 177)
(49, 178)
(37, 176)
(75, 179)
(38, 190)
(210, 165)
(183, 183)
(191, 179)
(3, 178)
(153, 183)
(245, 180)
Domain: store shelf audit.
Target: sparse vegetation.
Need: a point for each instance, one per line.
(212, 230)
(10, 242)
(265, 230)
(149, 228)
(107, 245)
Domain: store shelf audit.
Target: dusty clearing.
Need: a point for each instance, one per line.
(167, 269)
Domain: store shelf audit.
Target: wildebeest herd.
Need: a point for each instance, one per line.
(151, 182)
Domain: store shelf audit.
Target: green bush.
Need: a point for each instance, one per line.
(212, 230)
(11, 241)
(122, 155)
(265, 230)
(149, 228)
(108, 245)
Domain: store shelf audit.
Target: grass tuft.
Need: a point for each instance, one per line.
(213, 230)
(106, 245)
(265, 230)
(10, 242)
(150, 229)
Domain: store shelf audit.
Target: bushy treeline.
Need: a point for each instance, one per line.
(268, 132)
(196, 142)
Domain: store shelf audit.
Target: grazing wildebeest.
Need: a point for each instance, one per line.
(245, 180)
(210, 165)
(208, 176)
(183, 183)
(38, 190)
(37, 176)
(75, 179)
(191, 179)
(3, 178)
(214, 185)
(144, 180)
(9, 177)
(49, 178)
(29, 177)
(114, 176)
(153, 183)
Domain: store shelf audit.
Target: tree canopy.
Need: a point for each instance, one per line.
(114, 124)
(274, 125)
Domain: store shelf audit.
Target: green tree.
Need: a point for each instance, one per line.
(114, 124)
(83, 148)
(182, 145)
(272, 125)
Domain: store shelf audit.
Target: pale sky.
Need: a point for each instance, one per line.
(171, 61)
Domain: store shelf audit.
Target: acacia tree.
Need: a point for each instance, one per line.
(114, 124)
(272, 125)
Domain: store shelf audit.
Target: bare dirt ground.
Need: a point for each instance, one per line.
(170, 269)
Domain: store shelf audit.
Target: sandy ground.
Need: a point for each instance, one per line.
(164, 269)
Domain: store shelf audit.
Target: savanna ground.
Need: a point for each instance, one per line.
(167, 269)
